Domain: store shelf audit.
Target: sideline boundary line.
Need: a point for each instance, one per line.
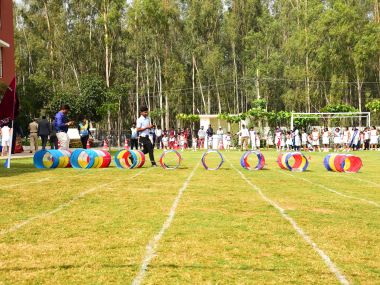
(61, 207)
(334, 191)
(33, 182)
(327, 260)
(151, 247)
(363, 180)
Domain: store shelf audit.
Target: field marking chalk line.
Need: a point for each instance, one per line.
(33, 182)
(327, 260)
(363, 180)
(60, 207)
(334, 191)
(153, 243)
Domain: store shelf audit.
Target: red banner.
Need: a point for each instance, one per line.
(9, 106)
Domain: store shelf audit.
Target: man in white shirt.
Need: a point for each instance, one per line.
(244, 134)
(201, 137)
(134, 138)
(158, 136)
(220, 134)
(143, 126)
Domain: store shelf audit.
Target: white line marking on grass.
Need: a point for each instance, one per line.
(360, 179)
(60, 207)
(334, 191)
(33, 182)
(151, 247)
(330, 264)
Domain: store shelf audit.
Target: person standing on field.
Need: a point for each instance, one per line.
(33, 135)
(61, 124)
(144, 126)
(158, 137)
(84, 130)
(244, 134)
(44, 131)
(53, 137)
(134, 137)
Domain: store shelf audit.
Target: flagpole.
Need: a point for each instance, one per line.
(12, 129)
(10, 146)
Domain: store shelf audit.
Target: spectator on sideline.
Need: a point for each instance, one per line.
(201, 137)
(374, 138)
(244, 134)
(44, 131)
(252, 136)
(367, 134)
(134, 137)
(53, 137)
(84, 130)
(158, 137)
(220, 134)
(5, 139)
(210, 133)
(33, 135)
(61, 124)
(315, 137)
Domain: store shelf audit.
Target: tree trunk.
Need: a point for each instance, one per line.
(200, 85)
(217, 93)
(359, 90)
(137, 90)
(235, 79)
(160, 90)
(50, 43)
(106, 43)
(193, 82)
(147, 80)
(257, 84)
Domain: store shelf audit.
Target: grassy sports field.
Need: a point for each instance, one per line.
(191, 226)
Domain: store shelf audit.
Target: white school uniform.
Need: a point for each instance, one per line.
(337, 138)
(304, 138)
(315, 136)
(5, 133)
(374, 137)
(325, 138)
(345, 137)
(297, 140)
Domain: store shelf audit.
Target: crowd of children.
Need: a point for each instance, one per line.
(326, 139)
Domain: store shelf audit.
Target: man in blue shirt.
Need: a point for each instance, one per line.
(61, 124)
(144, 126)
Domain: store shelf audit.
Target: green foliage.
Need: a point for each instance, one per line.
(189, 118)
(259, 104)
(157, 113)
(211, 55)
(374, 106)
(337, 108)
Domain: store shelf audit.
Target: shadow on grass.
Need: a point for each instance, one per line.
(171, 266)
(18, 167)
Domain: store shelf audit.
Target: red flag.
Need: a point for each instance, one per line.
(9, 106)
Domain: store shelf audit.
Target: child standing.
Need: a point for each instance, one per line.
(374, 138)
(288, 141)
(165, 141)
(326, 139)
(258, 141)
(228, 141)
(304, 139)
(337, 139)
(194, 144)
(315, 138)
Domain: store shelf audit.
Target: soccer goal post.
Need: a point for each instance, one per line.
(330, 116)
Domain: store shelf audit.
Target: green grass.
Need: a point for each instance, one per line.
(93, 226)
